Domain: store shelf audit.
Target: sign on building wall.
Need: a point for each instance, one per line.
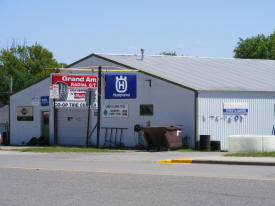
(24, 113)
(72, 89)
(120, 86)
(115, 110)
(235, 108)
(35, 100)
(54, 91)
(44, 101)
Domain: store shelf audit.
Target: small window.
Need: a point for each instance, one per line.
(146, 109)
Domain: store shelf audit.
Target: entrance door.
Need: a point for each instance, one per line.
(45, 123)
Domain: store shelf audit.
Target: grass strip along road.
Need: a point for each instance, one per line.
(252, 154)
(54, 149)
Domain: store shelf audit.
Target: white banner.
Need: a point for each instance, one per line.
(235, 108)
(115, 110)
(75, 105)
(54, 91)
(35, 101)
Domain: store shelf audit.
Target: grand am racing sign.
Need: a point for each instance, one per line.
(76, 81)
(72, 89)
(121, 86)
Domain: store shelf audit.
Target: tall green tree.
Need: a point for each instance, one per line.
(256, 47)
(25, 64)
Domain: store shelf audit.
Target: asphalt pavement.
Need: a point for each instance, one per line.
(130, 178)
(196, 157)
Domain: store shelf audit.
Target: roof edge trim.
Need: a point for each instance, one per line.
(21, 90)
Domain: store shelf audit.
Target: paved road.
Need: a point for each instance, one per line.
(129, 179)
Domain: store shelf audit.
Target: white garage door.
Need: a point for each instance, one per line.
(72, 126)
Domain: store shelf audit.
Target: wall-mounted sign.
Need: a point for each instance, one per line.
(121, 86)
(72, 89)
(235, 108)
(35, 100)
(24, 113)
(44, 101)
(115, 110)
(76, 81)
(54, 91)
(93, 97)
(70, 104)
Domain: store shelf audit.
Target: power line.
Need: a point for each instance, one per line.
(95, 68)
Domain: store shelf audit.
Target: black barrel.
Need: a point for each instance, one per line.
(205, 142)
(215, 145)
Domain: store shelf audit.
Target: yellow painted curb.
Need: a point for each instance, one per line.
(176, 161)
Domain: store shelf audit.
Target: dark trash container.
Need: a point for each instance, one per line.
(163, 136)
(205, 142)
(215, 145)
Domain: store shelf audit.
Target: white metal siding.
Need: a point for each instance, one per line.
(173, 105)
(4, 114)
(259, 120)
(25, 130)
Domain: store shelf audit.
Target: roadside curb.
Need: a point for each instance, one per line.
(226, 162)
(176, 161)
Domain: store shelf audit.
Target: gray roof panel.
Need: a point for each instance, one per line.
(205, 74)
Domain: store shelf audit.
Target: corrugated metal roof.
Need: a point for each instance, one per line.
(205, 74)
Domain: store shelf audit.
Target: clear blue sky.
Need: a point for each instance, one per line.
(72, 29)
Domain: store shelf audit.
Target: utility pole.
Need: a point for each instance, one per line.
(99, 106)
(9, 94)
(54, 124)
(11, 81)
(88, 122)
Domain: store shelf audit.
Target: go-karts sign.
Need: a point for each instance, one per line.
(121, 86)
(72, 89)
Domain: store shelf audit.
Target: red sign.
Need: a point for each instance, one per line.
(76, 81)
(80, 95)
(72, 89)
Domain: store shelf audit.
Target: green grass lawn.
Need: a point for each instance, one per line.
(252, 154)
(53, 149)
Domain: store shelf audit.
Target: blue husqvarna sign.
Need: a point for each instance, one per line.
(121, 86)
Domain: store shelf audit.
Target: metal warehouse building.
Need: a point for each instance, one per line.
(208, 96)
